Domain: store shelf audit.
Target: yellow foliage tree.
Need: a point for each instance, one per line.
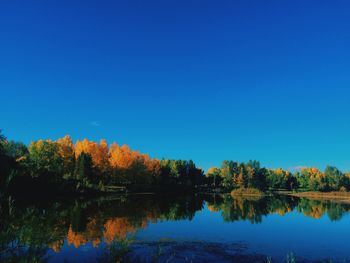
(66, 151)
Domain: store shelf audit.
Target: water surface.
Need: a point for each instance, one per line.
(163, 228)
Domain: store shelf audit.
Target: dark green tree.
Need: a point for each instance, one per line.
(84, 167)
(15, 150)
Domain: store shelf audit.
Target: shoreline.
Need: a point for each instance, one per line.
(341, 197)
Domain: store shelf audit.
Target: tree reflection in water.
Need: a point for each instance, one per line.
(28, 231)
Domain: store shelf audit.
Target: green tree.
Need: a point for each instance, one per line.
(334, 177)
(83, 167)
(45, 158)
(227, 174)
(302, 180)
(15, 150)
(281, 179)
(255, 175)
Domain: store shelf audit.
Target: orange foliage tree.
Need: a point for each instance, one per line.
(132, 166)
(99, 153)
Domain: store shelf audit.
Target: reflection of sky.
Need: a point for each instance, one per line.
(82, 254)
(276, 235)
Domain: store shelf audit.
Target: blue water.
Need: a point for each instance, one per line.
(310, 230)
(276, 236)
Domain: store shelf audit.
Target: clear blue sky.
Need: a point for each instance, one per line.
(201, 80)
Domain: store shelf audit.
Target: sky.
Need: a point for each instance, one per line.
(201, 80)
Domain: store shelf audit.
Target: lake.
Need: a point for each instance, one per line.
(175, 228)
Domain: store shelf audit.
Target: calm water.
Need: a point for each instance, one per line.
(200, 228)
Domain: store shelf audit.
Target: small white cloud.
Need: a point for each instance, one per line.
(95, 123)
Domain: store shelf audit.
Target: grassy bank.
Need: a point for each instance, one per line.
(247, 192)
(343, 197)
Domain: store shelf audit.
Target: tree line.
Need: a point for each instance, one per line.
(88, 166)
(233, 175)
(85, 165)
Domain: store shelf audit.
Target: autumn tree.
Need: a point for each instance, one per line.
(102, 157)
(133, 167)
(121, 157)
(312, 179)
(99, 153)
(239, 175)
(66, 151)
(99, 163)
(152, 166)
(214, 174)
